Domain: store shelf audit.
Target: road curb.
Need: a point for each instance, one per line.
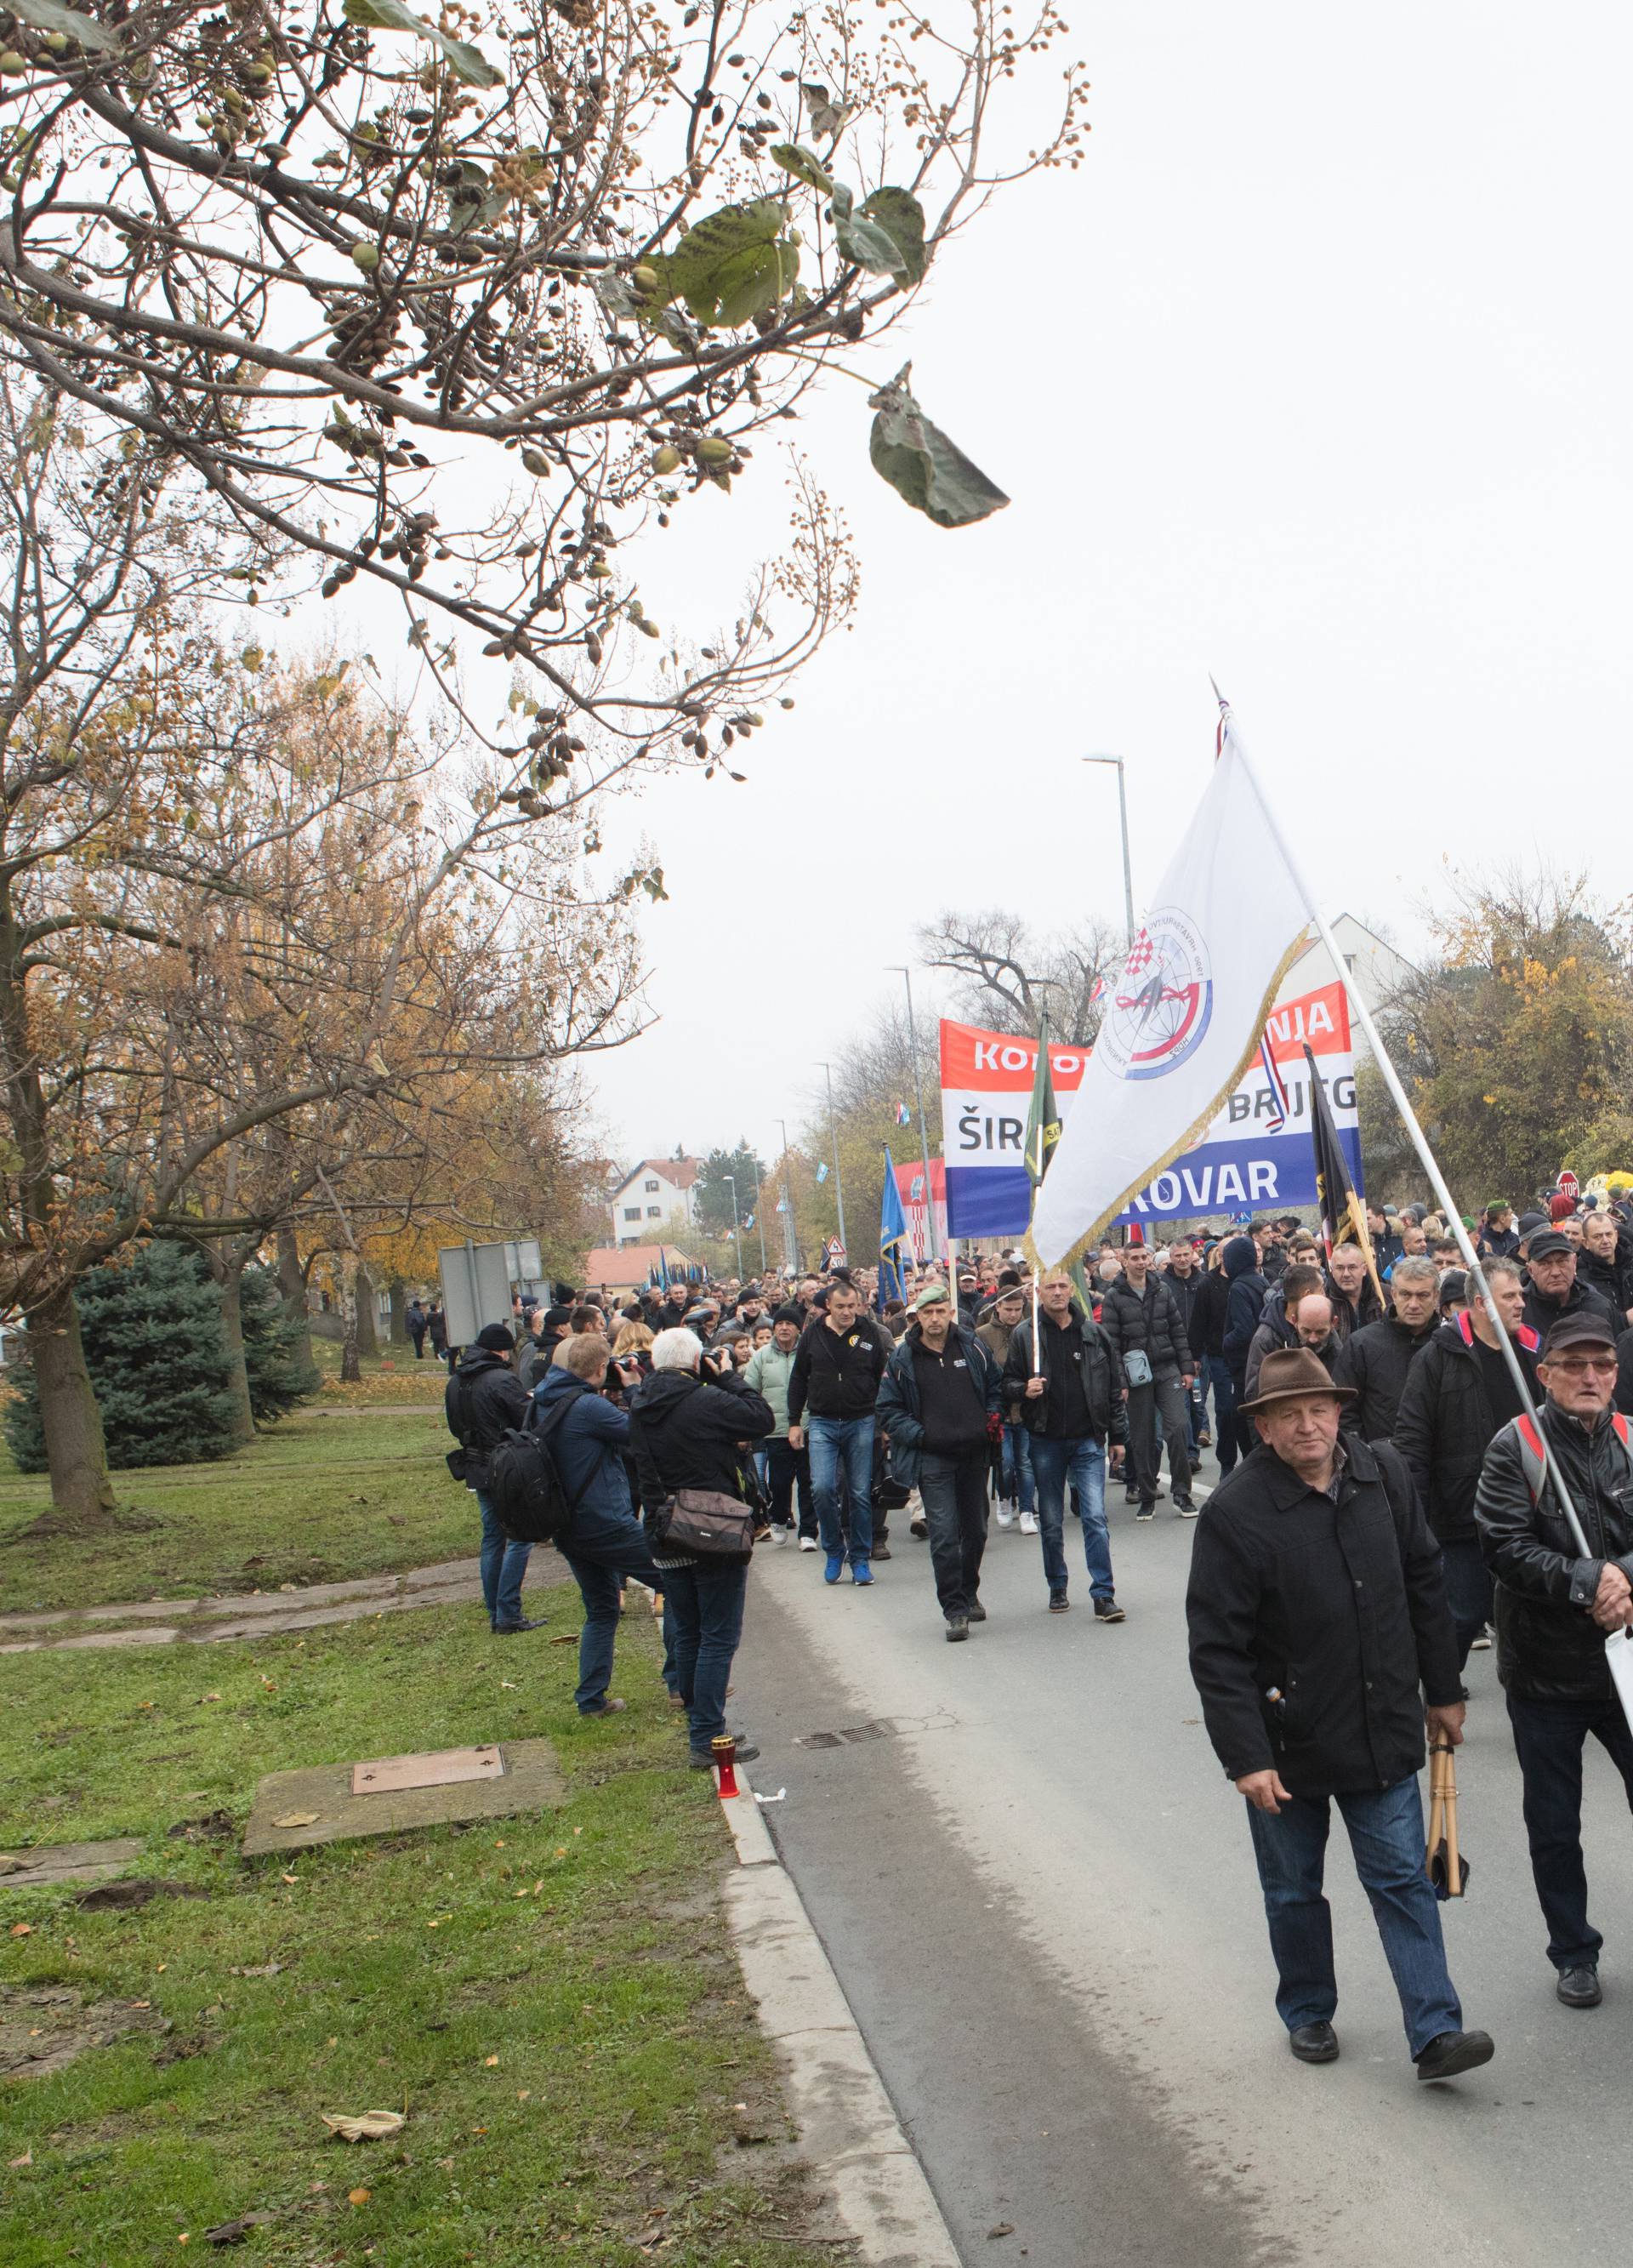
(848, 2132)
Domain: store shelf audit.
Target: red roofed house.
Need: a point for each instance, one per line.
(651, 1194)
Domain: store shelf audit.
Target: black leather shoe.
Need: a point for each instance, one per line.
(957, 1628)
(880, 1550)
(977, 1612)
(1107, 1610)
(1455, 2052)
(1579, 1988)
(702, 1759)
(1314, 2043)
(508, 1630)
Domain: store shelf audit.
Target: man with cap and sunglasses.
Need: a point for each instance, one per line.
(1553, 1610)
(938, 1405)
(1323, 1649)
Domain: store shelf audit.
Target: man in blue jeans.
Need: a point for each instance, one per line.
(484, 1400)
(838, 1368)
(606, 1543)
(1323, 1649)
(1067, 1392)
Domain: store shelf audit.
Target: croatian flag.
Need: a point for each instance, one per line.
(1276, 1116)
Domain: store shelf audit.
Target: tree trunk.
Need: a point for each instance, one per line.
(399, 1312)
(292, 1284)
(368, 1337)
(350, 1368)
(230, 1283)
(81, 1492)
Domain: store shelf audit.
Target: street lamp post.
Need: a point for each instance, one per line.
(833, 1135)
(790, 1242)
(919, 1097)
(736, 1232)
(760, 1217)
(1123, 815)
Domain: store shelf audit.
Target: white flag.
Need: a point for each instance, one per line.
(1182, 1021)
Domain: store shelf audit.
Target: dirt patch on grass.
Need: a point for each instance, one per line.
(44, 2029)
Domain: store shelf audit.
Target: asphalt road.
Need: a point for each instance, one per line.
(1039, 1894)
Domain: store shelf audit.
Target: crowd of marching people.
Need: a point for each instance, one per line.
(1384, 1497)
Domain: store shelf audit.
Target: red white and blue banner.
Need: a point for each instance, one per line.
(1256, 1155)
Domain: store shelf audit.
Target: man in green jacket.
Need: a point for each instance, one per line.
(768, 1373)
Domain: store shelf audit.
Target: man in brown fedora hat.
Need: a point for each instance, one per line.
(1319, 1632)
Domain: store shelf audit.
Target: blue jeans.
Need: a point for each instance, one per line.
(707, 1607)
(847, 1442)
(1226, 1443)
(1386, 1828)
(1018, 1480)
(1080, 1465)
(602, 1547)
(503, 1563)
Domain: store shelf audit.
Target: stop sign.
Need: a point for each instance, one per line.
(1569, 1186)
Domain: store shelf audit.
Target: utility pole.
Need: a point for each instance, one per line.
(791, 1247)
(923, 1128)
(736, 1232)
(833, 1136)
(1123, 815)
(760, 1217)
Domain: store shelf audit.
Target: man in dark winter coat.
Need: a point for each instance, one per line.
(484, 1399)
(1319, 1642)
(414, 1324)
(1142, 1319)
(838, 1367)
(690, 1423)
(1556, 1289)
(1553, 1610)
(941, 1388)
(1349, 1287)
(1499, 1238)
(1185, 1281)
(1375, 1361)
(604, 1542)
(1244, 1301)
(1459, 1393)
(1071, 1400)
(1276, 1328)
(1603, 1267)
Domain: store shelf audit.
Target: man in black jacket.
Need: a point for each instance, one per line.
(1375, 1361)
(941, 1386)
(1244, 1303)
(1141, 1317)
(838, 1368)
(1317, 1619)
(1072, 1402)
(1459, 1393)
(1555, 1288)
(1602, 1267)
(483, 1399)
(1499, 1238)
(1355, 1301)
(1554, 1609)
(1185, 1281)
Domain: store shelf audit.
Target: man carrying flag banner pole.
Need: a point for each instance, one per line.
(893, 1228)
(1343, 1216)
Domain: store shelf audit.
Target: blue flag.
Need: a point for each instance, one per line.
(893, 1228)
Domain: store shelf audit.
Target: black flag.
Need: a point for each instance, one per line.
(1343, 1216)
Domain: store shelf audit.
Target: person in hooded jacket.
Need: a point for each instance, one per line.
(484, 1399)
(692, 1421)
(604, 1542)
(1244, 1304)
(938, 1400)
(1276, 1328)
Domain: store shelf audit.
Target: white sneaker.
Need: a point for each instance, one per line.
(779, 1535)
(1006, 1519)
(807, 1543)
(1028, 1524)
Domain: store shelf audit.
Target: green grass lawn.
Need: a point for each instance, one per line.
(390, 1380)
(315, 1499)
(551, 1999)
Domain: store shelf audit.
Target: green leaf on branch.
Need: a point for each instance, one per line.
(898, 213)
(803, 167)
(921, 464)
(48, 16)
(887, 241)
(466, 62)
(732, 266)
(473, 201)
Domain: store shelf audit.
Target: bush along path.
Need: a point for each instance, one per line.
(548, 2005)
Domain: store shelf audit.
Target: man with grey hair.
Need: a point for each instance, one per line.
(1375, 1361)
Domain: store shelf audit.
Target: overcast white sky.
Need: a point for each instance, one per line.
(1315, 376)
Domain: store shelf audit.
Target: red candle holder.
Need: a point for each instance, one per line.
(726, 1761)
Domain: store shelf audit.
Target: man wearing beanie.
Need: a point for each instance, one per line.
(484, 1399)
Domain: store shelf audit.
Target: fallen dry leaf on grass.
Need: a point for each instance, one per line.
(488, 2062)
(267, 1968)
(27, 2158)
(296, 1819)
(372, 2126)
(22, 1929)
(358, 2196)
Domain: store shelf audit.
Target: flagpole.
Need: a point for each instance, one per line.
(1420, 1140)
(833, 1135)
(924, 1124)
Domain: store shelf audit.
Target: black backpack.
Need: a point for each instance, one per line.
(524, 1486)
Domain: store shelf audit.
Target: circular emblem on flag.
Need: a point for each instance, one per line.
(1162, 1002)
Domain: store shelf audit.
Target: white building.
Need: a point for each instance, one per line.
(1377, 967)
(651, 1195)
